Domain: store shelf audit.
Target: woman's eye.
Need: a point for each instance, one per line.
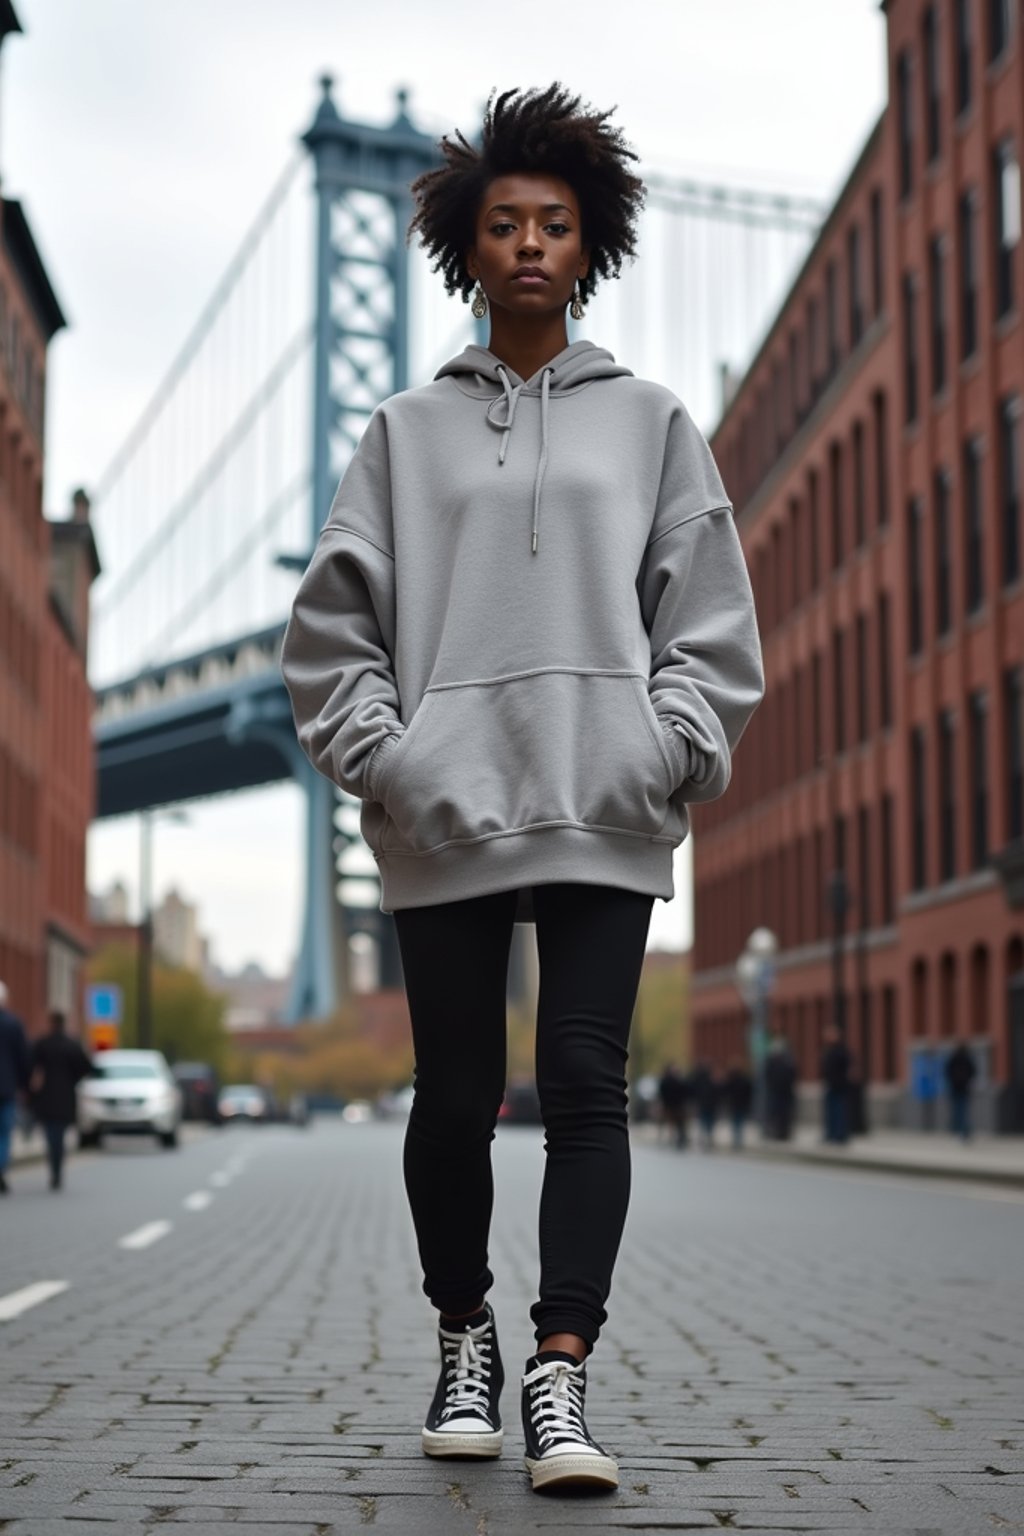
(495, 228)
(563, 228)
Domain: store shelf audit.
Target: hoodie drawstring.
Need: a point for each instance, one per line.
(510, 398)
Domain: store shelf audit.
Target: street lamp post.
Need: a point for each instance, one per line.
(755, 978)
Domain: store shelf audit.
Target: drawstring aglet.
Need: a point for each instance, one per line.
(533, 545)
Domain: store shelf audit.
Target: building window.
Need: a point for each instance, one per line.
(812, 526)
(881, 458)
(835, 493)
(1010, 412)
(862, 677)
(937, 275)
(978, 718)
(1006, 206)
(853, 279)
(905, 111)
(832, 316)
(877, 254)
(915, 595)
(918, 810)
(909, 347)
(963, 54)
(888, 863)
(889, 1051)
(816, 706)
(933, 84)
(859, 489)
(838, 690)
(1013, 691)
(943, 552)
(947, 795)
(884, 663)
(998, 27)
(864, 866)
(796, 406)
(813, 348)
(968, 226)
(974, 567)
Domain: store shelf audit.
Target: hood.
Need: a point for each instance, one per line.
(478, 372)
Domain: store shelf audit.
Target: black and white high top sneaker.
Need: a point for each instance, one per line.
(464, 1419)
(559, 1448)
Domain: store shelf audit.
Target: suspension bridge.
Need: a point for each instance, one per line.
(216, 497)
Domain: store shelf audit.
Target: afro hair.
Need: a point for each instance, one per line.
(524, 131)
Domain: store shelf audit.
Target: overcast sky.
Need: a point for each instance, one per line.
(143, 138)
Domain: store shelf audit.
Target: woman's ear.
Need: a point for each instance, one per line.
(471, 266)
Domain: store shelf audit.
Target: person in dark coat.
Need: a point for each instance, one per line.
(58, 1065)
(704, 1090)
(13, 1078)
(835, 1076)
(674, 1091)
(780, 1089)
(738, 1097)
(960, 1070)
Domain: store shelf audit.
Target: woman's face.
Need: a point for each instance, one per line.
(528, 220)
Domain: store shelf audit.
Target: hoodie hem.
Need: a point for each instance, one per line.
(631, 862)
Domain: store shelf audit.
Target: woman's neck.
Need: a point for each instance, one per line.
(527, 347)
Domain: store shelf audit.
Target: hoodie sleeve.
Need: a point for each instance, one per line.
(336, 659)
(707, 674)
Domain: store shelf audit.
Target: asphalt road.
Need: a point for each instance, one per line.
(232, 1337)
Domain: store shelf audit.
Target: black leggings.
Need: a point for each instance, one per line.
(455, 955)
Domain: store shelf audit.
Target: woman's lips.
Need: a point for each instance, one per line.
(531, 280)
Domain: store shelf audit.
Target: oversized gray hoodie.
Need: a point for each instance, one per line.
(526, 638)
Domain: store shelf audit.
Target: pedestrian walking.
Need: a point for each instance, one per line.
(705, 1100)
(780, 1076)
(738, 1098)
(960, 1071)
(57, 1064)
(836, 1067)
(674, 1094)
(13, 1078)
(527, 641)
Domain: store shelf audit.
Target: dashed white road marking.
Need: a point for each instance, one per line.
(17, 1302)
(152, 1232)
(199, 1201)
(220, 1179)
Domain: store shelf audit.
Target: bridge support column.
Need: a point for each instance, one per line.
(320, 979)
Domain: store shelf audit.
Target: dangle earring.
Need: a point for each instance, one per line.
(479, 302)
(576, 307)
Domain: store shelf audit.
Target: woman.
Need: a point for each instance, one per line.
(57, 1064)
(526, 640)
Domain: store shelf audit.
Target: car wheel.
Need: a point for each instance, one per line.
(169, 1139)
(87, 1139)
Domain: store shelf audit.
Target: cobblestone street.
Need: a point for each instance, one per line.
(790, 1348)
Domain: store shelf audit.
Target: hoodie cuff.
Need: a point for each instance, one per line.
(680, 752)
(376, 761)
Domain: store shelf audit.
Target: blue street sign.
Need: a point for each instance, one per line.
(103, 1004)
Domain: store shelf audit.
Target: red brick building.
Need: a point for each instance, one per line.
(874, 455)
(46, 763)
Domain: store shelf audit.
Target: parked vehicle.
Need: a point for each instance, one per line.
(521, 1104)
(298, 1109)
(243, 1101)
(199, 1088)
(131, 1092)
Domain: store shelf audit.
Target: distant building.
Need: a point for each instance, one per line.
(874, 454)
(46, 570)
(110, 906)
(176, 937)
(255, 1001)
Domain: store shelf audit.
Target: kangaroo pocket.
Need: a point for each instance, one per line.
(485, 758)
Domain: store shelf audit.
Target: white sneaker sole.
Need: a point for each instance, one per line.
(568, 1470)
(438, 1442)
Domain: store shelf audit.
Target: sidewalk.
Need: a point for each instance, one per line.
(931, 1154)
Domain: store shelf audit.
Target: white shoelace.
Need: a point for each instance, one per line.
(556, 1402)
(467, 1360)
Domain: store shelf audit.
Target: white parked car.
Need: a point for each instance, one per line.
(132, 1091)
